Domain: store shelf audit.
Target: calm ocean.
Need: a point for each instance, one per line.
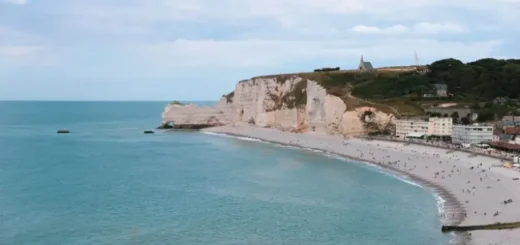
(107, 183)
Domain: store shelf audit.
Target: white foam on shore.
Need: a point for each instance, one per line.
(440, 203)
(233, 136)
(439, 200)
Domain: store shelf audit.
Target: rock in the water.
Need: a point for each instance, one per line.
(165, 126)
(63, 131)
(148, 132)
(192, 117)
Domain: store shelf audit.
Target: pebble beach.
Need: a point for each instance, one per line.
(476, 190)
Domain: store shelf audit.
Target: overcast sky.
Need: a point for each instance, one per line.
(199, 49)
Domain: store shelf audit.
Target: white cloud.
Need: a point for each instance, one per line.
(18, 47)
(283, 10)
(281, 31)
(19, 2)
(13, 51)
(272, 53)
(397, 29)
(432, 28)
(419, 28)
(10, 35)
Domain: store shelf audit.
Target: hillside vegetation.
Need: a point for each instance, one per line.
(483, 79)
(391, 89)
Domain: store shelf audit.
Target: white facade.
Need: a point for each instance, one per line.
(441, 89)
(440, 126)
(404, 128)
(471, 134)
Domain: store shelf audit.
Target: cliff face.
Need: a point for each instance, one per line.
(288, 103)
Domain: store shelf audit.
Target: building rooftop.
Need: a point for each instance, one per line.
(368, 65)
(440, 86)
(512, 130)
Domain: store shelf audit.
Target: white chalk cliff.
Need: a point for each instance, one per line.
(288, 103)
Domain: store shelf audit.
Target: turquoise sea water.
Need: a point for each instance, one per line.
(108, 183)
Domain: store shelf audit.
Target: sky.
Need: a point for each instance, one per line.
(199, 49)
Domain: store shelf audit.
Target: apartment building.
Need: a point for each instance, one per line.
(411, 128)
(436, 126)
(471, 134)
(440, 126)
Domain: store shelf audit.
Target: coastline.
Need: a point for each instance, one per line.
(455, 211)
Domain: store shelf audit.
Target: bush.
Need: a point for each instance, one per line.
(325, 69)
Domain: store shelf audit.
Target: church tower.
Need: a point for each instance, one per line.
(364, 66)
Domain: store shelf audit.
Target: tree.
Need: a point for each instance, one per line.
(475, 106)
(465, 120)
(485, 78)
(488, 105)
(455, 116)
(445, 115)
(486, 116)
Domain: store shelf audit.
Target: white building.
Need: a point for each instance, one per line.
(471, 134)
(440, 126)
(441, 89)
(437, 126)
(412, 128)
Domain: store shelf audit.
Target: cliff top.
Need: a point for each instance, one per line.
(402, 87)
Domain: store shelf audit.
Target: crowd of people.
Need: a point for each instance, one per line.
(449, 145)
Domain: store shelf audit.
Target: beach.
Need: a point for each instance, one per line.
(473, 187)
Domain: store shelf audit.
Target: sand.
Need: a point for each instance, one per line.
(474, 187)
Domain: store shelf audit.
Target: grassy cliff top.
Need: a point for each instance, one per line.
(401, 88)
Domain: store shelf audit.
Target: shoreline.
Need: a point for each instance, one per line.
(446, 197)
(450, 204)
(456, 211)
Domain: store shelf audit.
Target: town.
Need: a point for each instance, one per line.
(498, 138)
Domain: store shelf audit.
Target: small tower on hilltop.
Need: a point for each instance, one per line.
(416, 58)
(365, 66)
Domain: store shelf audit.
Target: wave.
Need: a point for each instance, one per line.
(235, 137)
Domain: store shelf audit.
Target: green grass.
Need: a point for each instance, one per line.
(176, 103)
(404, 106)
(229, 97)
(343, 83)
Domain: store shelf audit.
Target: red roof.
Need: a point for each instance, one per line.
(512, 130)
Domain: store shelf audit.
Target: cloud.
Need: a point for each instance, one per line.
(10, 35)
(273, 53)
(12, 51)
(430, 28)
(286, 12)
(397, 29)
(419, 28)
(21, 48)
(166, 40)
(19, 2)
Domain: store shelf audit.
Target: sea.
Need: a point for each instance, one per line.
(107, 183)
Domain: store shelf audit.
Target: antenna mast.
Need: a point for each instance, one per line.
(416, 58)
